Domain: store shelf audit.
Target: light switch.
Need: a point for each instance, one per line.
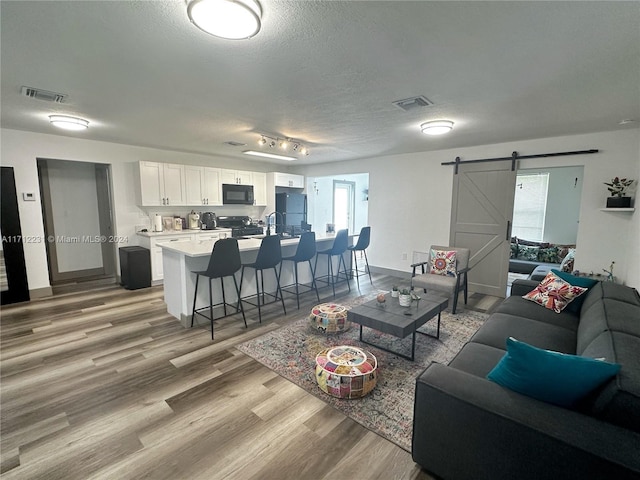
(28, 196)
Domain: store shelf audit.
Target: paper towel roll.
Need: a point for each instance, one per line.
(157, 223)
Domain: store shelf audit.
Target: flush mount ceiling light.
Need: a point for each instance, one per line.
(437, 127)
(269, 155)
(230, 19)
(68, 123)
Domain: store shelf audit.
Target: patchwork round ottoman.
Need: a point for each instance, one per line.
(346, 371)
(329, 318)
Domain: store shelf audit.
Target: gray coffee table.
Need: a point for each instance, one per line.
(399, 321)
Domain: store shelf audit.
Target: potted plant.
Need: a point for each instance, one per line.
(618, 187)
(394, 291)
(404, 297)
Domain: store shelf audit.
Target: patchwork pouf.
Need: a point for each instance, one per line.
(329, 318)
(346, 371)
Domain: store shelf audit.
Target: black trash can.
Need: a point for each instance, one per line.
(135, 267)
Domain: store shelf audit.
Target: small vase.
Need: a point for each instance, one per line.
(405, 300)
(618, 202)
(394, 293)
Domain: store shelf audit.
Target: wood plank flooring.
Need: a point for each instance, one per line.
(101, 383)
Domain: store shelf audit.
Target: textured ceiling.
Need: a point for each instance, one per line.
(324, 72)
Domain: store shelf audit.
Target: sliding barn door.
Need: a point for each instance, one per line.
(483, 196)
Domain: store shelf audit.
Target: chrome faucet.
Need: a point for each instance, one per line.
(275, 224)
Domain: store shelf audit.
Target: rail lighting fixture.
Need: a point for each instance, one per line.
(230, 19)
(68, 123)
(283, 143)
(437, 127)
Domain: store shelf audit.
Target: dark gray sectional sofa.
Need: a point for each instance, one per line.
(468, 427)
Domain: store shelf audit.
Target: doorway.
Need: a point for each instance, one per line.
(343, 204)
(13, 272)
(77, 213)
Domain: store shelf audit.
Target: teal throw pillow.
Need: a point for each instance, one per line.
(584, 282)
(552, 377)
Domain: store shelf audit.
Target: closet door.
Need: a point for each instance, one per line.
(481, 215)
(13, 272)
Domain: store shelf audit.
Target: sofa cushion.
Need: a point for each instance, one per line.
(608, 314)
(550, 376)
(477, 359)
(519, 307)
(618, 401)
(500, 326)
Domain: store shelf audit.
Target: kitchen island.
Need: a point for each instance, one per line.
(181, 259)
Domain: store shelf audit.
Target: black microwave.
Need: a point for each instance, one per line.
(233, 194)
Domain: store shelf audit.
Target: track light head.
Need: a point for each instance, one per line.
(262, 141)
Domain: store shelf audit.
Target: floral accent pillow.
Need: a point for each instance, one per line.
(528, 252)
(554, 293)
(567, 261)
(514, 250)
(443, 262)
(548, 255)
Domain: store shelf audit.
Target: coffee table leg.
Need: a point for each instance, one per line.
(413, 346)
(437, 335)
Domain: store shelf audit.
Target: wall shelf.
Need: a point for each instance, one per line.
(630, 209)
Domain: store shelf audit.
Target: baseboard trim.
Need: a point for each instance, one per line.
(390, 272)
(40, 293)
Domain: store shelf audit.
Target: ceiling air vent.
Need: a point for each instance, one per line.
(409, 104)
(44, 95)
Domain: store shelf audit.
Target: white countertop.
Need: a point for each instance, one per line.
(204, 247)
(168, 233)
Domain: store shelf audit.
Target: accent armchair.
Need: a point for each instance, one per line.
(443, 272)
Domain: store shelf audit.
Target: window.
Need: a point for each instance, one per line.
(530, 205)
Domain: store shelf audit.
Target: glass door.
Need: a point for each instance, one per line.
(343, 204)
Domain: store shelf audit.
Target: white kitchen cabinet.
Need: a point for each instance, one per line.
(162, 184)
(259, 181)
(202, 185)
(240, 177)
(288, 180)
(154, 244)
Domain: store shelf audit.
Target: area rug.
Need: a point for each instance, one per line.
(388, 410)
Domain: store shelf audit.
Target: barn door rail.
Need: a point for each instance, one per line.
(515, 156)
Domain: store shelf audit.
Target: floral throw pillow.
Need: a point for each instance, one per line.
(528, 252)
(554, 293)
(567, 261)
(443, 262)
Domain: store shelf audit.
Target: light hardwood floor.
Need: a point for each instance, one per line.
(102, 383)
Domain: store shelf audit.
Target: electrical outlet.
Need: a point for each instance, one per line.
(404, 255)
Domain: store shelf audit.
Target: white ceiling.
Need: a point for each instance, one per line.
(324, 72)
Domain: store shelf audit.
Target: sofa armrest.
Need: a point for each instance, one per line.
(469, 427)
(521, 287)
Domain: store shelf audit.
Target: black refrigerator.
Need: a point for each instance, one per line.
(293, 208)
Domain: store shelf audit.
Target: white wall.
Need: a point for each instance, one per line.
(21, 149)
(410, 198)
(409, 195)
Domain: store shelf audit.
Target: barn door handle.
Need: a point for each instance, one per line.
(508, 230)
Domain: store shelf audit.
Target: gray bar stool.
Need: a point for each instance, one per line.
(339, 247)
(304, 253)
(269, 256)
(361, 246)
(223, 262)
